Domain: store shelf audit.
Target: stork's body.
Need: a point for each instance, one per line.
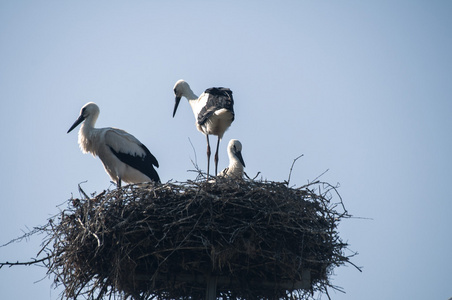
(213, 110)
(236, 162)
(124, 157)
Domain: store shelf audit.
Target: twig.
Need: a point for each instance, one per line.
(291, 168)
(25, 263)
(254, 178)
(18, 239)
(81, 190)
(195, 163)
(315, 179)
(87, 229)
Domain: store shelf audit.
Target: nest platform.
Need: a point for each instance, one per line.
(234, 239)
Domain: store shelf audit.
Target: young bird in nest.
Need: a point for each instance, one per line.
(236, 163)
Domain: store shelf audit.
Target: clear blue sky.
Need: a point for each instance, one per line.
(361, 88)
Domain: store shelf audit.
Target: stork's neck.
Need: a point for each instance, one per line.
(87, 128)
(90, 121)
(188, 93)
(234, 162)
(87, 135)
(192, 100)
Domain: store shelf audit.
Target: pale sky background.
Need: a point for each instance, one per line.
(362, 88)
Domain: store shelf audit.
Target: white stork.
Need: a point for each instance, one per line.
(124, 157)
(236, 163)
(213, 110)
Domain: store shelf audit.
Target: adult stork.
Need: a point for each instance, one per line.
(124, 157)
(236, 163)
(213, 110)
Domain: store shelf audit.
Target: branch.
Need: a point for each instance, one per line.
(195, 163)
(317, 178)
(291, 168)
(26, 235)
(81, 191)
(25, 263)
(246, 175)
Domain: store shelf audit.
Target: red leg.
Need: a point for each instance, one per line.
(216, 157)
(208, 155)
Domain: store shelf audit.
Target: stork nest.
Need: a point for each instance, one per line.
(250, 239)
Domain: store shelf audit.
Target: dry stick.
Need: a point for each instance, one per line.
(194, 152)
(195, 163)
(26, 235)
(89, 231)
(253, 177)
(26, 263)
(337, 193)
(315, 179)
(293, 163)
(82, 191)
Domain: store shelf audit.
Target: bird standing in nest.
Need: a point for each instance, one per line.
(124, 157)
(213, 110)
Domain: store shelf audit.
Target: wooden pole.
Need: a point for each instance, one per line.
(211, 289)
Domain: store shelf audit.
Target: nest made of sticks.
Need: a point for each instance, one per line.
(254, 239)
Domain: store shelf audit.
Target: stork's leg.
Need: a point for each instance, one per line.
(208, 155)
(119, 182)
(216, 156)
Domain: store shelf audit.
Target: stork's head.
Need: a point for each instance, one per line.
(89, 110)
(235, 150)
(181, 88)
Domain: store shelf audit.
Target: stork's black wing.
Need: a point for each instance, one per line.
(145, 164)
(218, 98)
